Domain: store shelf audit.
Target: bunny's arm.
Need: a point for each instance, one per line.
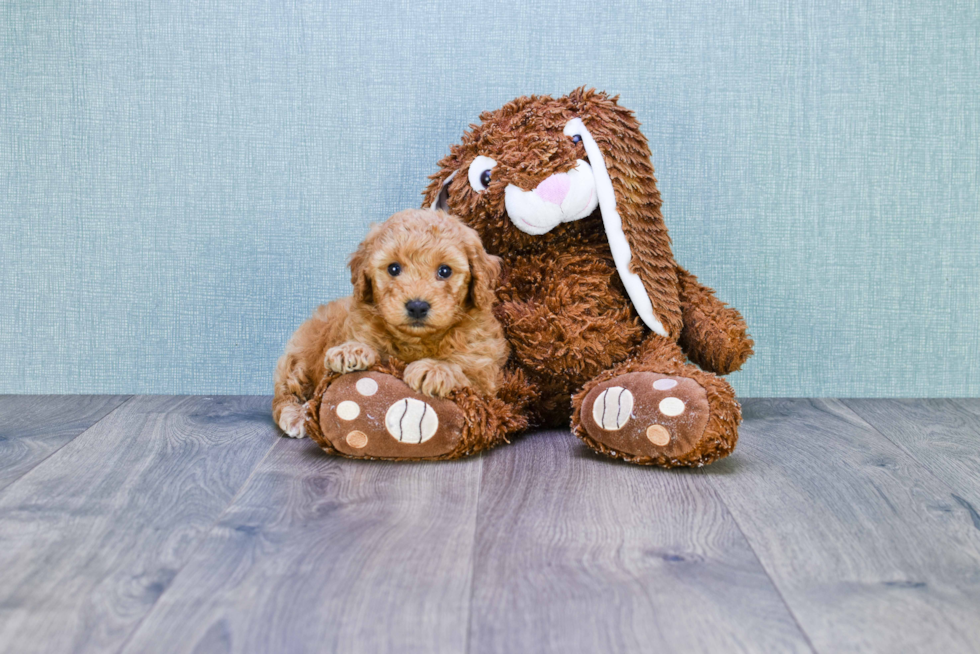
(714, 335)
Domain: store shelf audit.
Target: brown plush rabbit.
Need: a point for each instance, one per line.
(598, 314)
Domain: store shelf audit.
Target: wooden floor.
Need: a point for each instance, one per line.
(186, 524)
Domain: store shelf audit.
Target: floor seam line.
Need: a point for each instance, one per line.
(476, 530)
(945, 484)
(775, 586)
(205, 534)
(755, 554)
(129, 398)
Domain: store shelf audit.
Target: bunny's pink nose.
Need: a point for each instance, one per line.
(554, 189)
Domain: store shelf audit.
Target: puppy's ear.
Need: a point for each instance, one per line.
(360, 275)
(484, 273)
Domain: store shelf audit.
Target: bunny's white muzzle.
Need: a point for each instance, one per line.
(561, 198)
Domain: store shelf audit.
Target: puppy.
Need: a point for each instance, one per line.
(423, 293)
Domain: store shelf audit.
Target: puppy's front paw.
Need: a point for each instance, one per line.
(434, 378)
(292, 421)
(350, 356)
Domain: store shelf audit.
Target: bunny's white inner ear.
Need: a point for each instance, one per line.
(618, 243)
(442, 198)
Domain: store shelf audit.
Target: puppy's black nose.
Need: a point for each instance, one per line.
(417, 309)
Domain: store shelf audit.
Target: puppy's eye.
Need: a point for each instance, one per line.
(576, 139)
(444, 272)
(479, 173)
(394, 269)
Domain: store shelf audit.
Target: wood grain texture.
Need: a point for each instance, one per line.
(32, 427)
(870, 550)
(971, 405)
(91, 537)
(576, 553)
(333, 555)
(939, 434)
(841, 526)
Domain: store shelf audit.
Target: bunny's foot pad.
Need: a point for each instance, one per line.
(372, 415)
(647, 417)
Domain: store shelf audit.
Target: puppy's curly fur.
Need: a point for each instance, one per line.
(457, 343)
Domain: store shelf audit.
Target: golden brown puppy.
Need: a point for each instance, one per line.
(423, 293)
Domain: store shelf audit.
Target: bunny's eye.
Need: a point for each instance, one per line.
(576, 139)
(479, 173)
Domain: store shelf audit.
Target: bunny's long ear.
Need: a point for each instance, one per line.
(630, 207)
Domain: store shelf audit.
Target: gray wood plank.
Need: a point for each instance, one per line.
(575, 553)
(869, 549)
(971, 405)
(91, 537)
(32, 427)
(939, 434)
(333, 555)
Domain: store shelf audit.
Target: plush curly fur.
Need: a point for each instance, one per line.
(458, 344)
(564, 309)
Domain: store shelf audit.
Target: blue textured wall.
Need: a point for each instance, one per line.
(180, 182)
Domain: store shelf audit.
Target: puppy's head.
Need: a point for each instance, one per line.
(422, 271)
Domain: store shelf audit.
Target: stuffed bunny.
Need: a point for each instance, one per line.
(598, 315)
